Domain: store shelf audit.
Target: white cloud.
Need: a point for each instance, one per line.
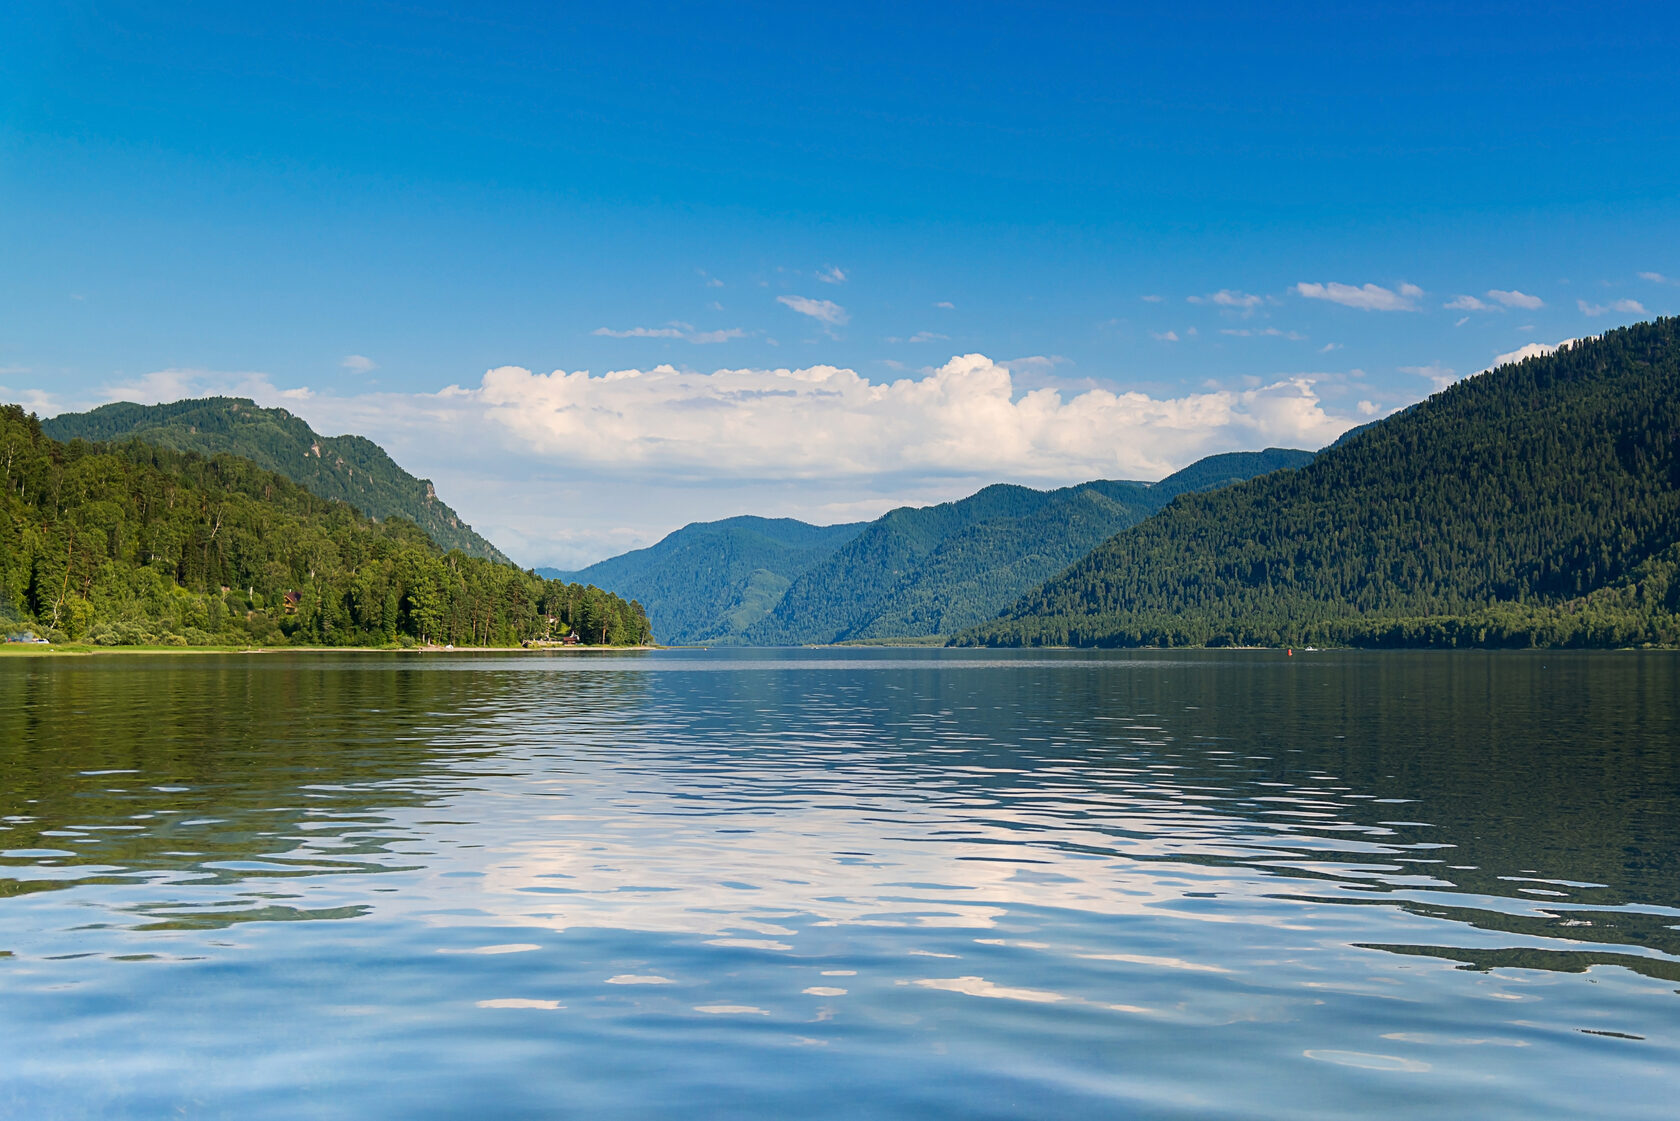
(160, 386)
(1625, 307)
(1229, 298)
(1328, 347)
(722, 336)
(1368, 297)
(1263, 332)
(1658, 278)
(1528, 350)
(823, 311)
(1436, 374)
(1166, 336)
(1150, 299)
(824, 421)
(832, 274)
(928, 337)
(37, 401)
(673, 330)
(1038, 363)
(946, 304)
(639, 333)
(358, 363)
(1513, 298)
(1467, 303)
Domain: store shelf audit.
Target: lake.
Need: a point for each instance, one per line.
(849, 883)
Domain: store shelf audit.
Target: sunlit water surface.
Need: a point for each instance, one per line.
(853, 883)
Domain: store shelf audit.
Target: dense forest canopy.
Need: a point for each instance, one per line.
(351, 469)
(1537, 504)
(132, 543)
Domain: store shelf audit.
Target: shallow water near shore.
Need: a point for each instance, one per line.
(841, 883)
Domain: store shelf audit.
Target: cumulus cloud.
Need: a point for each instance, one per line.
(824, 421)
(1166, 336)
(1513, 298)
(1229, 298)
(1529, 350)
(358, 363)
(826, 312)
(1467, 303)
(1624, 307)
(1367, 297)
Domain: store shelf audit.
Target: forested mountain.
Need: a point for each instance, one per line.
(936, 569)
(351, 469)
(132, 543)
(1537, 504)
(709, 581)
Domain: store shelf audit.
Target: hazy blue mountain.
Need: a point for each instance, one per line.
(709, 581)
(351, 469)
(937, 569)
(1534, 505)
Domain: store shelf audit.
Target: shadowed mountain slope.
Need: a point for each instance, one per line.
(709, 581)
(933, 570)
(1536, 504)
(350, 469)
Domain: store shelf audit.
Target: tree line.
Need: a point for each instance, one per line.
(134, 544)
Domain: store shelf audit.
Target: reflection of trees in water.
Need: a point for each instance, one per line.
(216, 771)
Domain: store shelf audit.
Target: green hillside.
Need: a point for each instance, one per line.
(348, 468)
(937, 569)
(1538, 504)
(134, 544)
(709, 581)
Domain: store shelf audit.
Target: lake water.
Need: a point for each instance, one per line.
(840, 884)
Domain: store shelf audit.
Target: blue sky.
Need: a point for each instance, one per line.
(1198, 226)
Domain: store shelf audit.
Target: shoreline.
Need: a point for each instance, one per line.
(31, 649)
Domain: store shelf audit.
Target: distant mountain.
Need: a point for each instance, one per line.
(351, 469)
(937, 569)
(1536, 504)
(709, 581)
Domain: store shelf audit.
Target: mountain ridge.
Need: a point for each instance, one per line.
(923, 570)
(326, 466)
(919, 571)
